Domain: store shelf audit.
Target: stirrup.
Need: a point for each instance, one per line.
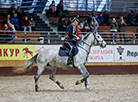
(69, 62)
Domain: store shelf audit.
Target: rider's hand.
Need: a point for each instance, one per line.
(77, 38)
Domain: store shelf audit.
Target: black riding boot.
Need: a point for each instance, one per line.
(70, 59)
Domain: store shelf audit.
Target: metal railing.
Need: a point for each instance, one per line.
(58, 37)
(75, 5)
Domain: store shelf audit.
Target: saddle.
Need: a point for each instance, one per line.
(64, 51)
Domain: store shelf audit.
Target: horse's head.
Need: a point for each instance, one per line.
(98, 40)
(93, 38)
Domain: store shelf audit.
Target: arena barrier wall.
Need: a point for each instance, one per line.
(114, 59)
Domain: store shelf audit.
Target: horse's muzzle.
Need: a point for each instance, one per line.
(103, 44)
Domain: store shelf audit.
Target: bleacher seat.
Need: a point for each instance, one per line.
(129, 29)
(31, 37)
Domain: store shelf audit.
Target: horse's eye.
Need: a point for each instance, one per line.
(98, 37)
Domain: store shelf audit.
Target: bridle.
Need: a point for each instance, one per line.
(95, 39)
(84, 48)
(98, 42)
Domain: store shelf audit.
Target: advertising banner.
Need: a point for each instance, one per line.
(112, 53)
(40, 48)
(16, 52)
(98, 54)
(126, 53)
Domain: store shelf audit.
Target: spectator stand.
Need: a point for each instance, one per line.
(25, 37)
(129, 29)
(85, 15)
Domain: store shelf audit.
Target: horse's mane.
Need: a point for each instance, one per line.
(85, 36)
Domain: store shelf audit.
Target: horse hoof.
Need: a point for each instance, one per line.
(36, 89)
(78, 82)
(87, 87)
(61, 86)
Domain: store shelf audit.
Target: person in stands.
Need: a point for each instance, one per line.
(62, 26)
(52, 8)
(106, 18)
(113, 29)
(136, 18)
(100, 19)
(12, 10)
(15, 22)
(86, 26)
(60, 10)
(82, 26)
(79, 33)
(8, 21)
(94, 24)
(69, 21)
(6, 35)
(20, 15)
(26, 24)
(32, 23)
(92, 15)
(122, 25)
(131, 19)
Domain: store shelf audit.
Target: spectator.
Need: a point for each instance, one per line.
(15, 22)
(137, 34)
(136, 18)
(131, 19)
(26, 24)
(32, 24)
(8, 21)
(20, 15)
(82, 26)
(6, 36)
(69, 21)
(100, 19)
(92, 15)
(79, 33)
(86, 26)
(62, 26)
(113, 29)
(106, 18)
(52, 8)
(122, 25)
(12, 10)
(60, 10)
(94, 24)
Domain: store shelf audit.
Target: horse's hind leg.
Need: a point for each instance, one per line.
(36, 77)
(52, 77)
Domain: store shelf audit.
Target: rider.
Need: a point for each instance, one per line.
(71, 38)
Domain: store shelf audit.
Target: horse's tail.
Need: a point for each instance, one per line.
(26, 67)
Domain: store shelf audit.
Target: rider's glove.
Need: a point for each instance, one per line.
(77, 37)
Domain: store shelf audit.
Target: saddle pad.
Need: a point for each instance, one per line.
(64, 52)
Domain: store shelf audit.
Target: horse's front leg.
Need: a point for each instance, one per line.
(52, 77)
(85, 74)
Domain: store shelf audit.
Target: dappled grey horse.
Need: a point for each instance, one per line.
(51, 60)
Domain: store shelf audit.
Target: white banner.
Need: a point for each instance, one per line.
(112, 53)
(126, 53)
(39, 48)
(98, 54)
